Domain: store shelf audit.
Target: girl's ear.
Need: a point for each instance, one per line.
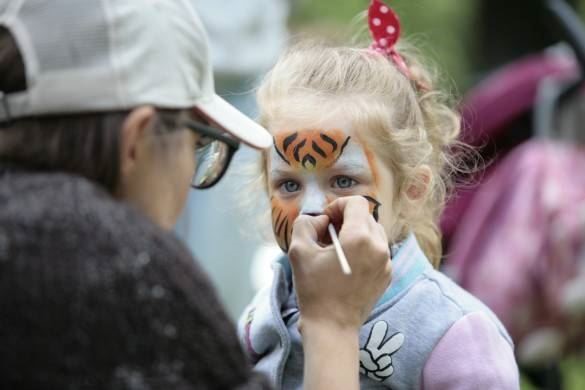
(419, 187)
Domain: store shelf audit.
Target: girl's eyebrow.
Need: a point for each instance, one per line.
(346, 167)
(281, 172)
(350, 166)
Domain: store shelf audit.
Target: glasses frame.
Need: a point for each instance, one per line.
(217, 135)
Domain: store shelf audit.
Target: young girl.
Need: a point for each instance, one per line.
(349, 121)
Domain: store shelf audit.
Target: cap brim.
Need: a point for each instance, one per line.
(234, 122)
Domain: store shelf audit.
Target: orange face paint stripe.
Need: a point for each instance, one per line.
(282, 221)
(278, 218)
(372, 164)
(279, 229)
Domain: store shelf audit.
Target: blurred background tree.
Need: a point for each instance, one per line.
(465, 38)
(505, 32)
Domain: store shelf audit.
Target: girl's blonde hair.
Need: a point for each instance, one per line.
(407, 126)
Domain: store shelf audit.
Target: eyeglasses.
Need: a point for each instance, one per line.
(213, 153)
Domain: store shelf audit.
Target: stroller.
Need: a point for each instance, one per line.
(516, 237)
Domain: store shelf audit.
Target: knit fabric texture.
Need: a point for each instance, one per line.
(93, 295)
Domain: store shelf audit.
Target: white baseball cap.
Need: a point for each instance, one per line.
(102, 55)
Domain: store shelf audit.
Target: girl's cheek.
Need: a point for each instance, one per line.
(330, 199)
(284, 214)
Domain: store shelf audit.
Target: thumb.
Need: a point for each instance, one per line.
(308, 228)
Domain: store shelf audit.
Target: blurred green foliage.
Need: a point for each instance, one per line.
(573, 371)
(436, 27)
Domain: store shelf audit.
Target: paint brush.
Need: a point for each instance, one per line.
(340, 255)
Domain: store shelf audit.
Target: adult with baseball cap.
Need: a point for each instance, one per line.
(107, 116)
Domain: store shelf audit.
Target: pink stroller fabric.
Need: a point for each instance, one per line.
(520, 240)
(490, 109)
(492, 105)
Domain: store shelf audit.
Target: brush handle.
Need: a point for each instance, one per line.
(340, 255)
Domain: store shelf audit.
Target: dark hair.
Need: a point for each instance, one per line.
(85, 144)
(12, 71)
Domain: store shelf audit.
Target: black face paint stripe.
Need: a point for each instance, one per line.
(298, 149)
(289, 140)
(319, 151)
(372, 200)
(280, 154)
(376, 206)
(375, 213)
(282, 224)
(277, 220)
(286, 237)
(309, 159)
(329, 140)
(284, 220)
(344, 145)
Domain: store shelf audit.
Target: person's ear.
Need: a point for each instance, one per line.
(134, 137)
(419, 187)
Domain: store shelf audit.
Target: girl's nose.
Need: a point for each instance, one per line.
(314, 201)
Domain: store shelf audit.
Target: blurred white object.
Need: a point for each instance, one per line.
(573, 296)
(261, 272)
(540, 347)
(246, 36)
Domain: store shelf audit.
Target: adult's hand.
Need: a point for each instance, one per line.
(325, 294)
(333, 305)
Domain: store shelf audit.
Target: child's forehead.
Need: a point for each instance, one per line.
(331, 135)
(331, 123)
(317, 149)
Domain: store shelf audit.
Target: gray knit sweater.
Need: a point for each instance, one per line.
(95, 296)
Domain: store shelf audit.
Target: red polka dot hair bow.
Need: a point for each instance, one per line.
(385, 29)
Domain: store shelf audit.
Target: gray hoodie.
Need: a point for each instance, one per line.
(408, 321)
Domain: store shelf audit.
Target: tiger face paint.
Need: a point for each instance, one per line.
(310, 168)
(311, 149)
(284, 214)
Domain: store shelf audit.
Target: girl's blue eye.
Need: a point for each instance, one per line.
(344, 182)
(290, 186)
